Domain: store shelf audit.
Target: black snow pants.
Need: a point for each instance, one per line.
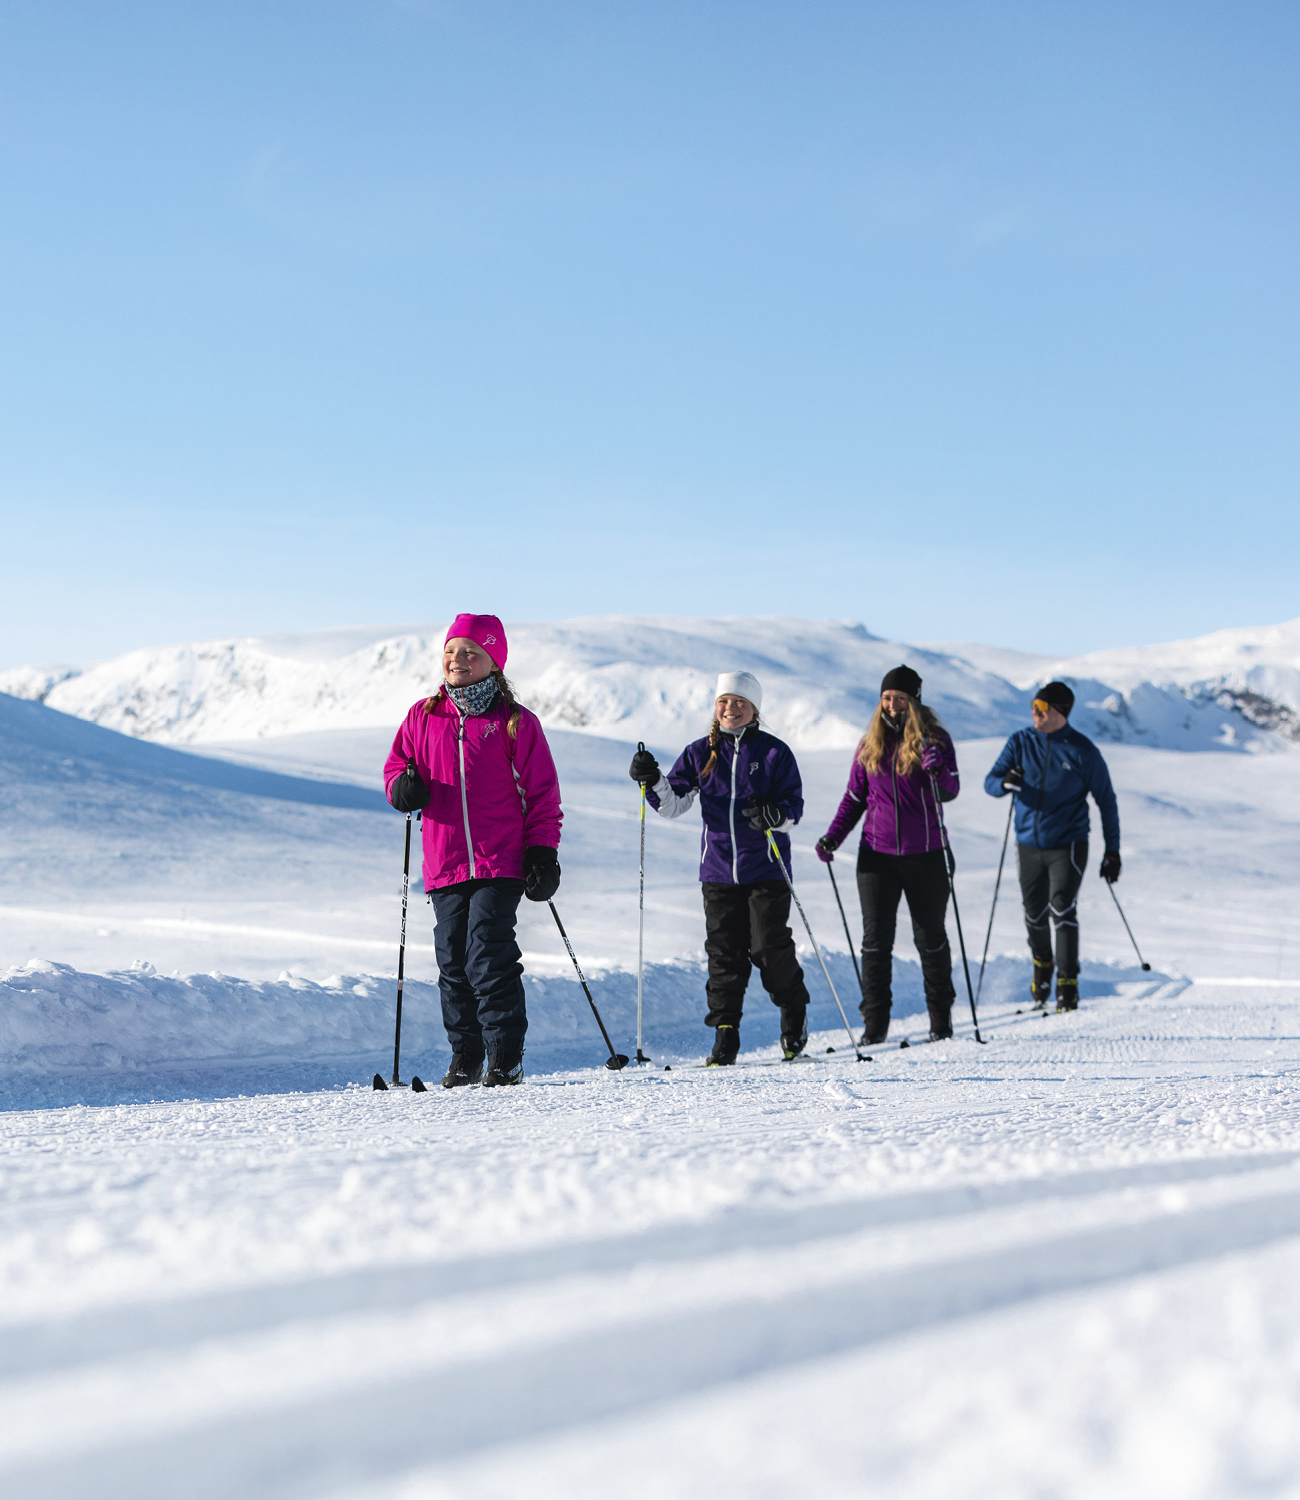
(480, 976)
(748, 926)
(883, 879)
(1049, 883)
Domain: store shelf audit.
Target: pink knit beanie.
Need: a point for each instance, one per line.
(484, 630)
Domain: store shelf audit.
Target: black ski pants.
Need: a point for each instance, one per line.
(480, 976)
(746, 927)
(883, 879)
(1049, 883)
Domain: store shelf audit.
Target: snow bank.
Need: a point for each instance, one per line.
(652, 679)
(68, 1037)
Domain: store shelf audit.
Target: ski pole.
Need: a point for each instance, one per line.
(1127, 928)
(616, 1059)
(830, 870)
(401, 966)
(997, 886)
(813, 941)
(951, 863)
(640, 927)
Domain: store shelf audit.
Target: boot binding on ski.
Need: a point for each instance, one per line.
(726, 1045)
(1040, 987)
(1067, 992)
(794, 1033)
(503, 1068)
(461, 1073)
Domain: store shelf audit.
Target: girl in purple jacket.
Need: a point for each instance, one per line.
(903, 757)
(477, 765)
(747, 782)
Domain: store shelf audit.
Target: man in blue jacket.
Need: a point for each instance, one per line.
(1050, 770)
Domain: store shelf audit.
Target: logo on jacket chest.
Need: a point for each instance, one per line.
(753, 766)
(490, 727)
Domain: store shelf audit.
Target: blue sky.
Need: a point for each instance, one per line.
(968, 321)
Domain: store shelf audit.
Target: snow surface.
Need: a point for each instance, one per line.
(647, 678)
(1061, 1264)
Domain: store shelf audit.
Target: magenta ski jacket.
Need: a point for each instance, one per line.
(901, 816)
(490, 796)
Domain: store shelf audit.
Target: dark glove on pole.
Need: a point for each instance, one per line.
(1013, 780)
(763, 815)
(645, 768)
(826, 851)
(541, 872)
(1110, 866)
(409, 793)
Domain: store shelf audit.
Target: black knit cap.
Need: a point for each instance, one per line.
(903, 680)
(1058, 695)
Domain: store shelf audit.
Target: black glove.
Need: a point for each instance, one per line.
(826, 848)
(541, 872)
(761, 815)
(1110, 866)
(1013, 780)
(409, 794)
(645, 768)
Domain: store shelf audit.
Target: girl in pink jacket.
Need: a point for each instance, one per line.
(477, 766)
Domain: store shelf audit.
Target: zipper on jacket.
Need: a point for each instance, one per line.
(464, 800)
(898, 833)
(735, 852)
(1042, 788)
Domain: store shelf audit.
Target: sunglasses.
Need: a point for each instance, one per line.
(1040, 706)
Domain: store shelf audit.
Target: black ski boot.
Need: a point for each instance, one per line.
(1040, 987)
(1067, 992)
(726, 1044)
(794, 1032)
(874, 1030)
(940, 1022)
(503, 1068)
(462, 1072)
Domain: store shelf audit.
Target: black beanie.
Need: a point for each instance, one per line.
(1058, 695)
(903, 680)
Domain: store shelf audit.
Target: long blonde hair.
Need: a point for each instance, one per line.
(921, 725)
(715, 739)
(503, 687)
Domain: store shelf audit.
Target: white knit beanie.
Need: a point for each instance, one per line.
(741, 685)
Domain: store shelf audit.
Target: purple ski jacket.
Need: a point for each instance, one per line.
(732, 851)
(901, 814)
(490, 796)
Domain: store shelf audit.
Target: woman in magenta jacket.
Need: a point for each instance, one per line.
(903, 757)
(477, 765)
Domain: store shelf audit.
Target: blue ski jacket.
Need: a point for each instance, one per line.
(1060, 770)
(732, 851)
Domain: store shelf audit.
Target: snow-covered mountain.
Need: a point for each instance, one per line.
(652, 678)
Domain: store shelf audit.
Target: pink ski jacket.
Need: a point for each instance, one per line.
(491, 797)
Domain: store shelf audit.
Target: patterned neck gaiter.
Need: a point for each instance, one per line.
(477, 698)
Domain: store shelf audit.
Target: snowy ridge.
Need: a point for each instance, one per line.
(1251, 674)
(652, 679)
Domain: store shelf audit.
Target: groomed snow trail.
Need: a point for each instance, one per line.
(1062, 1264)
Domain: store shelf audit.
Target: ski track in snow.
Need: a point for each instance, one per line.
(1081, 1239)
